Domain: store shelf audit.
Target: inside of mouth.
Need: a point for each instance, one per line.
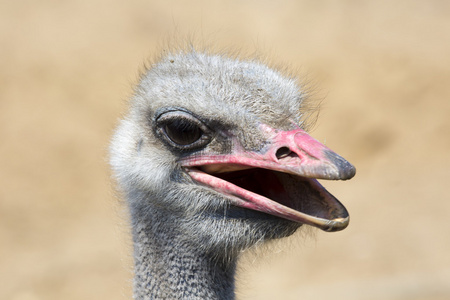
(295, 192)
(262, 182)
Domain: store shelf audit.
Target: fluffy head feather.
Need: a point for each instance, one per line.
(237, 94)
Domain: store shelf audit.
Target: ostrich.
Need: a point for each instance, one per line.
(213, 158)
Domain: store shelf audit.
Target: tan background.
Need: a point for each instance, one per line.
(66, 69)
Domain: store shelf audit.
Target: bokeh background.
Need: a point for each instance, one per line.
(383, 72)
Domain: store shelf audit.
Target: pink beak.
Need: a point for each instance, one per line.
(294, 152)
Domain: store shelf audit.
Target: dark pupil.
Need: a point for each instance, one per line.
(183, 132)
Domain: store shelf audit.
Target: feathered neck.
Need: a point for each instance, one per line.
(169, 266)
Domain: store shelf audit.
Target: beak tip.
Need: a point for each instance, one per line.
(345, 169)
(337, 225)
(347, 172)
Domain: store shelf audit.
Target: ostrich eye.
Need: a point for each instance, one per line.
(183, 132)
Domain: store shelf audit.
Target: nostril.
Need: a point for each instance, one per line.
(282, 152)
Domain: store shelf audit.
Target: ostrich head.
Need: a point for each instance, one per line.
(214, 150)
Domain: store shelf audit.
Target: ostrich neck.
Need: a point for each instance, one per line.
(169, 266)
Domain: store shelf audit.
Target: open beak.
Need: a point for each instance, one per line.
(280, 179)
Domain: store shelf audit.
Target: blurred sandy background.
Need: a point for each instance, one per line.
(66, 70)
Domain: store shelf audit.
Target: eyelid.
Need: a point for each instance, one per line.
(167, 111)
(167, 116)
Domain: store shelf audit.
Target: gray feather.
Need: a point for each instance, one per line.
(186, 240)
